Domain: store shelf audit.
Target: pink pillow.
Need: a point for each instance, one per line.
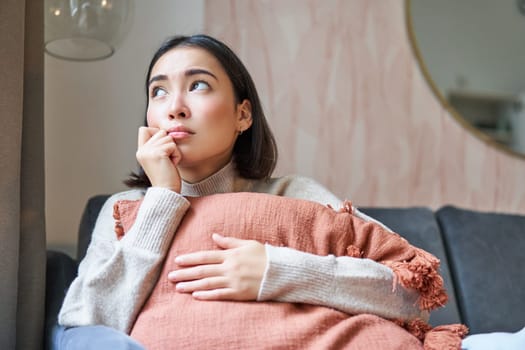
(170, 319)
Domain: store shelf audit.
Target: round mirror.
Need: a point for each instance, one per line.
(473, 55)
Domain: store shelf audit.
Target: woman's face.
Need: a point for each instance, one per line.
(192, 98)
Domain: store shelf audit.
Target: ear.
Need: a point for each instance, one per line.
(244, 115)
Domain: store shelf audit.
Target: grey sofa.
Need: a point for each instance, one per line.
(482, 262)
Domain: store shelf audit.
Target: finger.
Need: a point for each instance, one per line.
(217, 294)
(176, 156)
(202, 284)
(167, 149)
(200, 258)
(155, 147)
(160, 137)
(194, 273)
(145, 133)
(228, 242)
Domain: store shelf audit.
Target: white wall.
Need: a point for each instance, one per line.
(93, 111)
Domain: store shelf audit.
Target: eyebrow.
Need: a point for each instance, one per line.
(187, 73)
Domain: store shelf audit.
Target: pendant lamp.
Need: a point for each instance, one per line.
(86, 30)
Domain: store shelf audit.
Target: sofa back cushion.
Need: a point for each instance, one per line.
(487, 262)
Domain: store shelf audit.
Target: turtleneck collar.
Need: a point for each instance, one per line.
(222, 181)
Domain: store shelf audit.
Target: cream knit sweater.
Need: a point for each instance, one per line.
(116, 277)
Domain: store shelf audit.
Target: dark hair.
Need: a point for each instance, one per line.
(255, 151)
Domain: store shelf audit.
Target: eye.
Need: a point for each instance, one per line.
(199, 85)
(158, 91)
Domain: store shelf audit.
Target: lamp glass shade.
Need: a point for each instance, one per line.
(86, 30)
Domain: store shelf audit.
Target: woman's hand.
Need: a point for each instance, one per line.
(158, 155)
(234, 273)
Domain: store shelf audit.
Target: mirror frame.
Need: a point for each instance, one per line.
(437, 93)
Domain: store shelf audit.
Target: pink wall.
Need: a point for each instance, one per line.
(350, 107)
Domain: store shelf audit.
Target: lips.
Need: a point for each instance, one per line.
(180, 132)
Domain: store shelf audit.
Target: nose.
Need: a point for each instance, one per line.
(178, 107)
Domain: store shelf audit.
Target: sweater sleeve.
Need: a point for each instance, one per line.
(115, 277)
(351, 285)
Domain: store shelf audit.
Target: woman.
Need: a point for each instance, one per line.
(207, 134)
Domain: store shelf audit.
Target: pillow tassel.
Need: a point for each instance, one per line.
(119, 230)
(421, 274)
(446, 337)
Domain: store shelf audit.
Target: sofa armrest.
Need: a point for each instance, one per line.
(61, 269)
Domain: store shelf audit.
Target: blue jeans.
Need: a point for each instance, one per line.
(92, 337)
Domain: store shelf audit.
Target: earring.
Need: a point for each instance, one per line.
(240, 132)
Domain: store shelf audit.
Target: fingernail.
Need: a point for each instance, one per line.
(179, 259)
(171, 275)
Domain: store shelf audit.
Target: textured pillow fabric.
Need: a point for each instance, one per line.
(170, 319)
